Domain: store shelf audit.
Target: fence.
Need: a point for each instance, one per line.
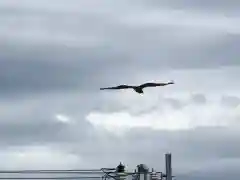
(118, 173)
(101, 174)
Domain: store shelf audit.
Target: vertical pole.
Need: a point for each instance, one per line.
(168, 160)
(145, 175)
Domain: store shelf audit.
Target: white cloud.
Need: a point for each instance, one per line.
(37, 157)
(190, 116)
(179, 18)
(62, 118)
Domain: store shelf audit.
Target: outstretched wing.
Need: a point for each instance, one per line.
(155, 84)
(117, 87)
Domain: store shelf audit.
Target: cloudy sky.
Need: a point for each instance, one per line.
(56, 54)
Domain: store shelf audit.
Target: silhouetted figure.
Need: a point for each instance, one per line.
(120, 168)
(138, 89)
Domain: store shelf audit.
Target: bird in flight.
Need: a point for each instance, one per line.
(138, 89)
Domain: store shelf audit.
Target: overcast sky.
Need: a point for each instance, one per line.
(56, 54)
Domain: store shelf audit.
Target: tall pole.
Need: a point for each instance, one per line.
(168, 160)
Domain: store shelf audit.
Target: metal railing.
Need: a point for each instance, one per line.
(117, 173)
(101, 174)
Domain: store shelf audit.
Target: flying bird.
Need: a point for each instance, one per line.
(138, 89)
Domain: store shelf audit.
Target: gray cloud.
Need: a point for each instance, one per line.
(199, 99)
(187, 147)
(55, 47)
(33, 123)
(55, 55)
(231, 101)
(229, 7)
(62, 73)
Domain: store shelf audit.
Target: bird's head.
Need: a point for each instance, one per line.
(171, 82)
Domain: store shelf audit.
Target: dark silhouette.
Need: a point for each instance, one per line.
(138, 89)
